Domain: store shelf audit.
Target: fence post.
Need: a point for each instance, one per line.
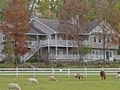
(52, 71)
(34, 72)
(102, 68)
(85, 72)
(69, 72)
(16, 71)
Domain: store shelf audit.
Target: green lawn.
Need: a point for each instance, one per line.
(65, 83)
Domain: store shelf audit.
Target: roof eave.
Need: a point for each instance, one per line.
(36, 34)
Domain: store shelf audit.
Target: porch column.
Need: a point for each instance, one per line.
(41, 53)
(56, 48)
(67, 47)
(48, 46)
(38, 41)
(116, 54)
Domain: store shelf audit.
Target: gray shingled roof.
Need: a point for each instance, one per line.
(35, 30)
(93, 24)
(54, 24)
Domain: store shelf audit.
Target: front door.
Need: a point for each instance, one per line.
(107, 55)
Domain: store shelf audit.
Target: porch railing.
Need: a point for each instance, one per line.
(64, 57)
(69, 43)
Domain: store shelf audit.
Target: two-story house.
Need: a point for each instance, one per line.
(47, 43)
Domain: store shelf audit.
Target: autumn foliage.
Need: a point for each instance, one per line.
(15, 24)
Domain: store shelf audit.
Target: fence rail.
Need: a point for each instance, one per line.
(56, 71)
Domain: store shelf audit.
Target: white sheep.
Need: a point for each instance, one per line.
(33, 80)
(118, 76)
(52, 78)
(13, 86)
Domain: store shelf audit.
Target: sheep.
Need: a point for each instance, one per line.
(33, 80)
(52, 78)
(79, 76)
(13, 86)
(118, 75)
(118, 72)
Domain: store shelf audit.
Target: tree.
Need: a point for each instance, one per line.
(8, 51)
(108, 11)
(49, 8)
(15, 24)
(74, 20)
(31, 4)
(3, 5)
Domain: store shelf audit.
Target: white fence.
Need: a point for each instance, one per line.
(56, 71)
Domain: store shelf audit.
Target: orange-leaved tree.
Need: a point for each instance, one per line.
(15, 24)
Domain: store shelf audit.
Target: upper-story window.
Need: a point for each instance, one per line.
(108, 39)
(4, 37)
(86, 38)
(52, 36)
(93, 52)
(94, 38)
(100, 39)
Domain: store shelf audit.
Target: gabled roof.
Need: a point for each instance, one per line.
(93, 24)
(54, 25)
(35, 30)
(40, 27)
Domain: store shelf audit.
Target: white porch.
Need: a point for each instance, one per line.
(52, 42)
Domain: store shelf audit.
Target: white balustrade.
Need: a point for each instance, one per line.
(58, 43)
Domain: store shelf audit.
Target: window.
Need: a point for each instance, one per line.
(99, 39)
(108, 39)
(60, 51)
(110, 54)
(53, 36)
(96, 52)
(4, 37)
(94, 39)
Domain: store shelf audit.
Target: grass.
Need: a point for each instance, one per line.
(65, 83)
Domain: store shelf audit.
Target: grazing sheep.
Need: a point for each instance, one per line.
(78, 76)
(119, 72)
(13, 86)
(52, 78)
(118, 75)
(103, 75)
(33, 80)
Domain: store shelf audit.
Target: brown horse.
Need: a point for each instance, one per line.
(103, 75)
